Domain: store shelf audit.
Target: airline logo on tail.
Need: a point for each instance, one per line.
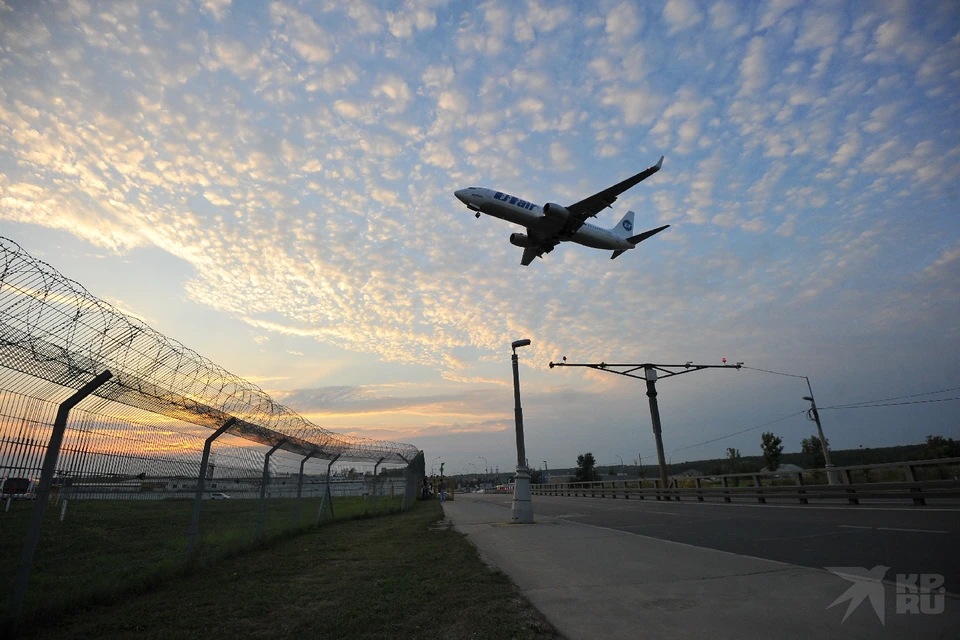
(627, 225)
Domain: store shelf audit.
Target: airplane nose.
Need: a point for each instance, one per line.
(461, 195)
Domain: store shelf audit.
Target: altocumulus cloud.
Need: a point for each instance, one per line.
(326, 143)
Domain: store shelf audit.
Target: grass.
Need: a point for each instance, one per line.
(406, 575)
(106, 549)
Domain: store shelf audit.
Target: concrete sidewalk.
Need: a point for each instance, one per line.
(592, 582)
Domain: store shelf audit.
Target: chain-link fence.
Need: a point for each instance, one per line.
(126, 458)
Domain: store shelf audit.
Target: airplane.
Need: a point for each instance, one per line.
(552, 224)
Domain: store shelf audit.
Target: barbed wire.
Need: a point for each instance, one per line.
(52, 328)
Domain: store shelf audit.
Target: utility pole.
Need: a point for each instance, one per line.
(650, 373)
(831, 474)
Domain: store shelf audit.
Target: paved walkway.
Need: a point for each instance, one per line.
(593, 582)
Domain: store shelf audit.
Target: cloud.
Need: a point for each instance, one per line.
(236, 56)
(775, 10)
(217, 8)
(305, 36)
(753, 67)
(682, 14)
(622, 21)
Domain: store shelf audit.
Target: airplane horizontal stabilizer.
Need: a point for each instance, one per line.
(616, 253)
(637, 239)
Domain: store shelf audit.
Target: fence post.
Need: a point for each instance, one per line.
(803, 500)
(758, 486)
(326, 492)
(43, 492)
(848, 480)
(300, 485)
(195, 518)
(726, 494)
(374, 498)
(699, 490)
(263, 488)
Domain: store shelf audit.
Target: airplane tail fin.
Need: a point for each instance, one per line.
(637, 239)
(625, 227)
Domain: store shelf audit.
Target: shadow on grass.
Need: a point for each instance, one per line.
(402, 576)
(105, 551)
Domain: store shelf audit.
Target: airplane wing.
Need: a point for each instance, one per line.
(589, 207)
(536, 251)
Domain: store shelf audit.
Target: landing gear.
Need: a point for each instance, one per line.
(477, 215)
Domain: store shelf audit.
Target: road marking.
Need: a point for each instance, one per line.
(811, 535)
(857, 526)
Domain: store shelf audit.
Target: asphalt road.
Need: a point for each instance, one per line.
(908, 540)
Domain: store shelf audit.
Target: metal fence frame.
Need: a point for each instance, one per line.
(56, 334)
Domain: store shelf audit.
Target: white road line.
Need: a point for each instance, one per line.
(856, 526)
(811, 535)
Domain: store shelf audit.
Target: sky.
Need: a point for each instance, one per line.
(271, 183)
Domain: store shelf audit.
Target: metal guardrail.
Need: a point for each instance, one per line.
(912, 487)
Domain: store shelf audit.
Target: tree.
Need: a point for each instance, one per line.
(586, 468)
(733, 460)
(772, 449)
(812, 450)
(940, 447)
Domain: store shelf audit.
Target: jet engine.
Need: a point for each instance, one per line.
(555, 211)
(519, 240)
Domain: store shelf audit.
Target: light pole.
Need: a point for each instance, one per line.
(546, 473)
(486, 468)
(521, 511)
(814, 415)
(621, 464)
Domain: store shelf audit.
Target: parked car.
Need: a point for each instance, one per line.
(219, 496)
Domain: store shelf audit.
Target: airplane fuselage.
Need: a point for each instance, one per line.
(518, 211)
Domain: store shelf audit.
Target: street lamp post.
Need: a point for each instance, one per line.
(546, 472)
(812, 414)
(621, 464)
(486, 467)
(521, 511)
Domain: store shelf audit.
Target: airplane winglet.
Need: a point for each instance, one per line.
(659, 162)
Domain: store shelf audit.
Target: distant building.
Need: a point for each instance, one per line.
(689, 473)
(785, 468)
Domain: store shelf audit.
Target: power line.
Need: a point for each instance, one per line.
(890, 404)
(779, 373)
(730, 435)
(913, 395)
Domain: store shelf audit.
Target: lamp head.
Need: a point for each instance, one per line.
(520, 343)
(808, 398)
